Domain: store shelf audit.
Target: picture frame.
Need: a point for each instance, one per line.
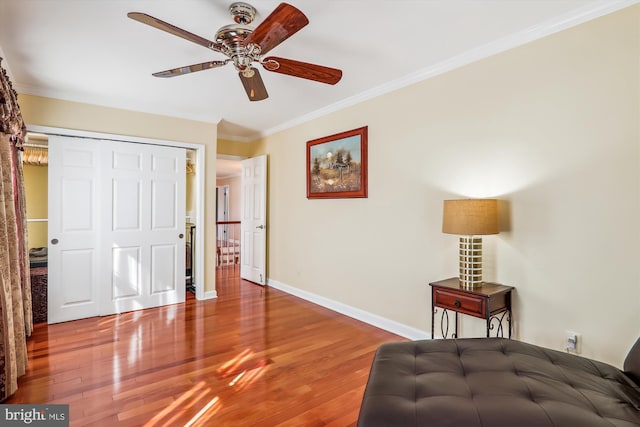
(337, 165)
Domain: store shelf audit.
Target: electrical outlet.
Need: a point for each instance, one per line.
(573, 342)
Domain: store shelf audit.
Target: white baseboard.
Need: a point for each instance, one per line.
(356, 313)
(210, 295)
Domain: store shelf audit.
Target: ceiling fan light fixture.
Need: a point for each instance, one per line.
(242, 62)
(248, 72)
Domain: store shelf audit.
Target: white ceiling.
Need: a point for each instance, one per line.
(89, 51)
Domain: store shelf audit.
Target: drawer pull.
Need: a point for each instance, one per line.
(457, 303)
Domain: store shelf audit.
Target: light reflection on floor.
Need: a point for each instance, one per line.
(243, 370)
(246, 370)
(202, 417)
(188, 400)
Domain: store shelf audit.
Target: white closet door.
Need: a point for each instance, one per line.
(143, 230)
(117, 213)
(74, 221)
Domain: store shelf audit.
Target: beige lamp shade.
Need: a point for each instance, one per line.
(470, 217)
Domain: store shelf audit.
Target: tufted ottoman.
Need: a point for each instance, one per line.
(494, 382)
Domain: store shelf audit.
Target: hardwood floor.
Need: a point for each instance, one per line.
(253, 357)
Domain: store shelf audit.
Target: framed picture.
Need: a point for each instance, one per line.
(337, 165)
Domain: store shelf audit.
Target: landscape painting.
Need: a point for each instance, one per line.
(337, 165)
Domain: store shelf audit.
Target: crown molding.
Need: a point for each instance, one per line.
(560, 23)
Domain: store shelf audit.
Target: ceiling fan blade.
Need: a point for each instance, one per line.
(303, 70)
(172, 29)
(282, 23)
(254, 86)
(190, 69)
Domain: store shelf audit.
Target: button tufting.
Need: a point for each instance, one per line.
(450, 383)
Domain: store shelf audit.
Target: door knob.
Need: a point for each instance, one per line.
(54, 241)
(180, 235)
(261, 227)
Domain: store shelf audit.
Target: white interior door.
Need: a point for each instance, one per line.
(117, 224)
(74, 222)
(253, 227)
(143, 230)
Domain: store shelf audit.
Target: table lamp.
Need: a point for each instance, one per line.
(470, 218)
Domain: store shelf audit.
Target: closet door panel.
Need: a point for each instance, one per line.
(145, 187)
(74, 217)
(163, 265)
(126, 274)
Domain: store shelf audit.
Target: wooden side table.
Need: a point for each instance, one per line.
(491, 302)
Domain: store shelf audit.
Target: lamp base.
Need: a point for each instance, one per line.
(470, 252)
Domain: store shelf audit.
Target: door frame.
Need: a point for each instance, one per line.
(200, 182)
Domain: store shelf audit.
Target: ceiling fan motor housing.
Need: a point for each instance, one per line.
(231, 40)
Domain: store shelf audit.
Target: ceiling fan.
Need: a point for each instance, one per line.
(245, 45)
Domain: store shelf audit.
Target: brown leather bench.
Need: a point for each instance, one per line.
(494, 382)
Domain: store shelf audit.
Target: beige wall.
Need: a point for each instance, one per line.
(72, 115)
(234, 148)
(191, 196)
(36, 184)
(235, 193)
(551, 128)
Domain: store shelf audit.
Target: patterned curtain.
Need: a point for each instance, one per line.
(16, 321)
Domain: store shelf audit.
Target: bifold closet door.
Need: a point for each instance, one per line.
(132, 199)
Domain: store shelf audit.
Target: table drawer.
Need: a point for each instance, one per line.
(459, 301)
